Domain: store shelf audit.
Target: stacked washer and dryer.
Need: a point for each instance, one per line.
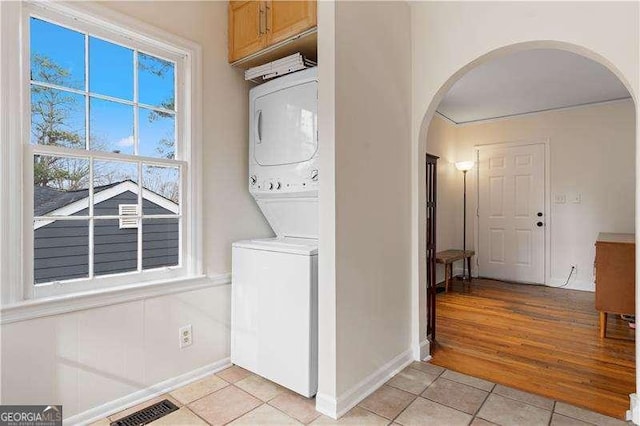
(274, 316)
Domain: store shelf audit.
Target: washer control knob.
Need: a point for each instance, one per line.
(314, 175)
(253, 180)
(278, 185)
(270, 185)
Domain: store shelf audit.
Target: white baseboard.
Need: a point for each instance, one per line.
(135, 398)
(422, 350)
(582, 285)
(633, 414)
(326, 405)
(336, 407)
(457, 270)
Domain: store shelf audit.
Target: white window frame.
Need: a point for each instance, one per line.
(16, 162)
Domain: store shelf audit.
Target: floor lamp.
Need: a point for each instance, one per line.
(464, 167)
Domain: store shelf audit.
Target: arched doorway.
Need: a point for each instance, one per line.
(435, 102)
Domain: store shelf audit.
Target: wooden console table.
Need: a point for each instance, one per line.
(615, 276)
(447, 258)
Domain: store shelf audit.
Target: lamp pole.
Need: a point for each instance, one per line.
(464, 167)
(464, 226)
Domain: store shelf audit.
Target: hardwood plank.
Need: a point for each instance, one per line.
(538, 339)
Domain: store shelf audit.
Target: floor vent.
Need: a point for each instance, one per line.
(147, 415)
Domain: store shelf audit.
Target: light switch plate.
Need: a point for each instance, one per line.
(576, 198)
(560, 199)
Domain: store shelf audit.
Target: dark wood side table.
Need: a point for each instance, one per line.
(448, 257)
(615, 276)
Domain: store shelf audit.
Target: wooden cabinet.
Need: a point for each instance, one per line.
(289, 18)
(615, 275)
(247, 28)
(257, 24)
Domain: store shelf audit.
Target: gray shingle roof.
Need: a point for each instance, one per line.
(46, 200)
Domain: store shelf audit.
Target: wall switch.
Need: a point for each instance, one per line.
(576, 198)
(560, 199)
(186, 339)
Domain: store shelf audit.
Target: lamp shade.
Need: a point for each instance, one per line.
(464, 166)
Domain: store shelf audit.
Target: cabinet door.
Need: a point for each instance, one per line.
(289, 18)
(247, 28)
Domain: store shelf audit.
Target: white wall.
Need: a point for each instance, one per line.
(368, 226)
(88, 358)
(449, 38)
(592, 153)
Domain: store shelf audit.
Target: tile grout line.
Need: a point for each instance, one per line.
(416, 396)
(204, 396)
(288, 415)
(454, 408)
(482, 404)
(405, 409)
(196, 414)
(527, 403)
(246, 412)
(553, 410)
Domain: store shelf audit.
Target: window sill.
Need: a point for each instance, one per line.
(36, 308)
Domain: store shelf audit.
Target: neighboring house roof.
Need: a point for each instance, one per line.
(47, 200)
(50, 201)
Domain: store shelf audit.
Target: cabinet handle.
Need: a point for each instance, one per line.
(266, 18)
(262, 19)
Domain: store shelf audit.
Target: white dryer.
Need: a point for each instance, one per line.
(274, 325)
(283, 153)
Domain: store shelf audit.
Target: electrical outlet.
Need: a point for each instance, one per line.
(186, 338)
(575, 268)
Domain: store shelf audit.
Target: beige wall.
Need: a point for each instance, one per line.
(85, 359)
(449, 38)
(592, 153)
(371, 167)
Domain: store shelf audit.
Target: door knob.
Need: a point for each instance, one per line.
(539, 223)
(539, 214)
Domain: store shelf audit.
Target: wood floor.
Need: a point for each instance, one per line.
(538, 339)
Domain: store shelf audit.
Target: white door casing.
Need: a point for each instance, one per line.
(511, 197)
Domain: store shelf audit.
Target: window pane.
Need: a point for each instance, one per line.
(162, 190)
(156, 81)
(61, 250)
(157, 133)
(110, 69)
(57, 118)
(60, 186)
(160, 242)
(115, 248)
(114, 183)
(57, 54)
(111, 125)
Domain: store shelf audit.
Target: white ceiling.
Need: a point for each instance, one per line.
(529, 81)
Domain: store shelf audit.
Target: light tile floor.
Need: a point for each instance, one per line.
(421, 394)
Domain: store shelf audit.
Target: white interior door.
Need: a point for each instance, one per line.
(511, 209)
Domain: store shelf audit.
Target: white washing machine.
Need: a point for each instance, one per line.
(275, 318)
(274, 325)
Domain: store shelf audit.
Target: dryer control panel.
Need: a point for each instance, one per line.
(265, 183)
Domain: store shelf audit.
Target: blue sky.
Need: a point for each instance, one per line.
(111, 73)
